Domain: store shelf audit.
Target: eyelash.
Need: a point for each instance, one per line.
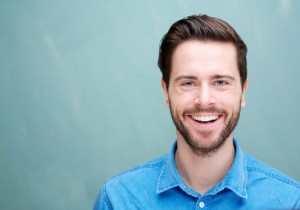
(218, 83)
(221, 81)
(188, 84)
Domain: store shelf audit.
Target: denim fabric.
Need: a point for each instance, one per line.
(249, 184)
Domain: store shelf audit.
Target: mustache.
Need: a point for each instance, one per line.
(204, 109)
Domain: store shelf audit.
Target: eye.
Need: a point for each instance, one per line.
(221, 83)
(188, 84)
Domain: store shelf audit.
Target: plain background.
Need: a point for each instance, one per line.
(81, 98)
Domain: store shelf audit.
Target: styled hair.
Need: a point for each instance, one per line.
(203, 28)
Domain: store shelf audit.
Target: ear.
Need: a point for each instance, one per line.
(245, 87)
(166, 95)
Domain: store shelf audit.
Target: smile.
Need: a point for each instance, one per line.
(205, 119)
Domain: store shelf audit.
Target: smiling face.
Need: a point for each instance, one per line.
(205, 94)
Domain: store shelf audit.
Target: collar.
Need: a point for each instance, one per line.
(235, 180)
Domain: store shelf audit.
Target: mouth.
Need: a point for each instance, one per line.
(205, 119)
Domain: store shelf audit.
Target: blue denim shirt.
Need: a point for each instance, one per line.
(249, 184)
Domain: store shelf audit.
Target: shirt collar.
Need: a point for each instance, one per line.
(168, 177)
(235, 180)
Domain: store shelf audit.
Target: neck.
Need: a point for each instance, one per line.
(201, 173)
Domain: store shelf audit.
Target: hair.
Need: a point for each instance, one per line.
(202, 28)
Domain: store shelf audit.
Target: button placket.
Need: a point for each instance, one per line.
(204, 202)
(201, 204)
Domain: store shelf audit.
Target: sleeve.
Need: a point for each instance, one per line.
(102, 202)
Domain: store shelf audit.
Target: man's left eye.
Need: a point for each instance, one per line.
(220, 83)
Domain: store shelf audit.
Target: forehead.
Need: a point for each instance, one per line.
(204, 57)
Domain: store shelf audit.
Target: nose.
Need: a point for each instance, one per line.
(204, 96)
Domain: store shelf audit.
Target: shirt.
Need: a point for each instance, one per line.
(249, 184)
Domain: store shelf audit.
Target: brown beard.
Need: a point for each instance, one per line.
(193, 143)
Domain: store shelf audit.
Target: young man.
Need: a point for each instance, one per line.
(203, 63)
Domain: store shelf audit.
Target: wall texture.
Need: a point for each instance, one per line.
(81, 99)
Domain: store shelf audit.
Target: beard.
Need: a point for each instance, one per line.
(199, 145)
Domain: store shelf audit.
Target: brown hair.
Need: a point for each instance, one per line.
(200, 27)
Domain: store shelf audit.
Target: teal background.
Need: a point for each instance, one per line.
(81, 98)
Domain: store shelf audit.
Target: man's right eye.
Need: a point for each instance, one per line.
(187, 84)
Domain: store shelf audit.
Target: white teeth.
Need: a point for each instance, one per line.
(204, 118)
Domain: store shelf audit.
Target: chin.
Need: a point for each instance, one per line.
(205, 145)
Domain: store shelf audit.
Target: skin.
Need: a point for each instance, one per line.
(204, 85)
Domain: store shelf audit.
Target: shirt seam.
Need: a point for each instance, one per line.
(106, 198)
(275, 176)
(152, 164)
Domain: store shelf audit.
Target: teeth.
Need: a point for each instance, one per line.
(204, 118)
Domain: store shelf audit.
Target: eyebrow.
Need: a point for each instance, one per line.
(185, 77)
(222, 76)
(217, 76)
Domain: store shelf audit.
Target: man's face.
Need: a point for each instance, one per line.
(205, 94)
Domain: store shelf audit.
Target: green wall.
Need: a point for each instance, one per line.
(81, 98)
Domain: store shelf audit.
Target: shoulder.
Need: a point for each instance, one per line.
(133, 184)
(270, 187)
(261, 169)
(150, 168)
(140, 178)
(271, 177)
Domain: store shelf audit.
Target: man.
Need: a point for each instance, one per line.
(204, 79)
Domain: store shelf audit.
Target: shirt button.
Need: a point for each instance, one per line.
(201, 204)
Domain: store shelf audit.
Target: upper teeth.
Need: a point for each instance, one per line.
(204, 118)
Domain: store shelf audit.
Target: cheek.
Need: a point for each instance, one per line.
(181, 106)
(229, 103)
(182, 101)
